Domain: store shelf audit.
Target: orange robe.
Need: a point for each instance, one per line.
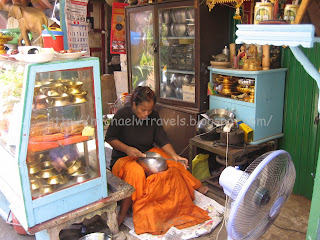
(161, 200)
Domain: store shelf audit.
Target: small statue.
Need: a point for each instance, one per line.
(253, 61)
(242, 55)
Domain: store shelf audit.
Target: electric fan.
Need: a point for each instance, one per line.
(257, 194)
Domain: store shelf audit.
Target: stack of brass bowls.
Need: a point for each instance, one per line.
(247, 86)
(228, 85)
(77, 95)
(47, 170)
(58, 93)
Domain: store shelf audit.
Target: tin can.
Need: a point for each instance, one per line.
(290, 12)
(262, 12)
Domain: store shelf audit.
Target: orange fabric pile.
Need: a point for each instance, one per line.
(161, 200)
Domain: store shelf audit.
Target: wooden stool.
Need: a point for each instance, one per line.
(118, 190)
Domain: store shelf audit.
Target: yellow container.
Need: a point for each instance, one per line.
(248, 132)
(290, 12)
(263, 12)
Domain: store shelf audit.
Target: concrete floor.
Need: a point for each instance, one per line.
(294, 215)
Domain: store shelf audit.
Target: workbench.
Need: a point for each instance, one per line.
(117, 190)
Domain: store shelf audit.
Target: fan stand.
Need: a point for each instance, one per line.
(251, 189)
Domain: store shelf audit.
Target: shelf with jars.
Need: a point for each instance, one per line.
(51, 138)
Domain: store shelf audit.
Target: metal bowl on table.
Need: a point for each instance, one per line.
(206, 129)
(220, 116)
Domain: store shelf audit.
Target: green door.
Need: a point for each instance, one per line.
(301, 134)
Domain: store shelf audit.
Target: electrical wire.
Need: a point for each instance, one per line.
(288, 229)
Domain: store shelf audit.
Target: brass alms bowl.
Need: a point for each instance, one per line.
(52, 89)
(35, 183)
(47, 170)
(55, 179)
(79, 172)
(74, 87)
(34, 168)
(83, 177)
(46, 188)
(58, 101)
(79, 97)
(73, 166)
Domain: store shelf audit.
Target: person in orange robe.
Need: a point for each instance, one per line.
(160, 200)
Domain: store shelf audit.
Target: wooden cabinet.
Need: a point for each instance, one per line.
(264, 114)
(169, 45)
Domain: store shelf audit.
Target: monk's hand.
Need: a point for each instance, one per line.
(133, 152)
(182, 160)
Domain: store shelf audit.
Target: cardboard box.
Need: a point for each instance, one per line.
(188, 93)
(121, 82)
(108, 92)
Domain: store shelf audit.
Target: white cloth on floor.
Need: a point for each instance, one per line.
(214, 209)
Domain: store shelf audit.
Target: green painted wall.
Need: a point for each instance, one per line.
(301, 135)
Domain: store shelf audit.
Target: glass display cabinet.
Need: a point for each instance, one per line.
(51, 138)
(169, 46)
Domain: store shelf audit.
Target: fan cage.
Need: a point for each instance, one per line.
(275, 179)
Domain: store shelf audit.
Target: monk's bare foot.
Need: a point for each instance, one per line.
(203, 189)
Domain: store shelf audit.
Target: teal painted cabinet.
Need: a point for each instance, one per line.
(265, 114)
(51, 138)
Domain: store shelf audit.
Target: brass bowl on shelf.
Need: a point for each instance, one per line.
(41, 101)
(80, 171)
(64, 179)
(73, 166)
(83, 176)
(59, 101)
(56, 179)
(47, 170)
(74, 87)
(34, 168)
(79, 97)
(46, 188)
(35, 183)
(226, 91)
(48, 89)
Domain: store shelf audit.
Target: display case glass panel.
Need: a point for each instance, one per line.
(11, 104)
(142, 49)
(62, 148)
(176, 53)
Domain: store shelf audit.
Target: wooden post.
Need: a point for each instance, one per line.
(232, 47)
(265, 57)
(301, 11)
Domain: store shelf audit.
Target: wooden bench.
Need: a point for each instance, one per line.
(118, 190)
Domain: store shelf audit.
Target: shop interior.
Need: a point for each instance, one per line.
(237, 89)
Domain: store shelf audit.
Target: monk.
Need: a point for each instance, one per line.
(160, 200)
